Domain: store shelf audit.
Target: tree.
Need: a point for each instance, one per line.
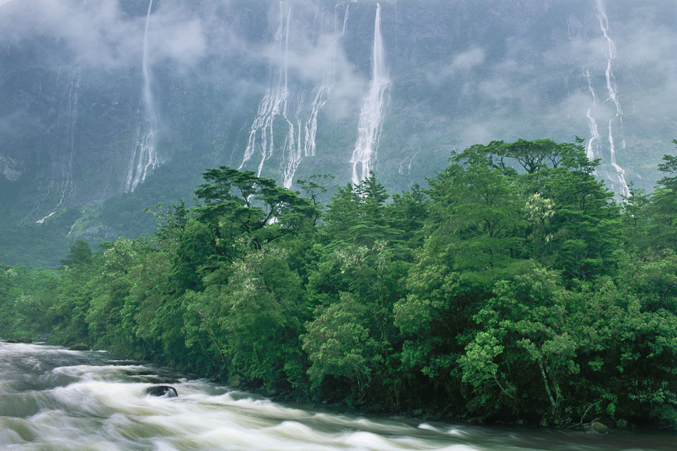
(663, 227)
(80, 254)
(523, 357)
(636, 216)
(248, 319)
(477, 211)
(357, 214)
(339, 345)
(530, 156)
(253, 205)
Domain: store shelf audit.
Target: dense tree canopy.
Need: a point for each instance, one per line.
(512, 287)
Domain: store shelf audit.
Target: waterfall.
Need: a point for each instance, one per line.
(274, 101)
(67, 166)
(279, 102)
(593, 148)
(371, 115)
(144, 157)
(62, 176)
(307, 147)
(323, 93)
(408, 165)
(41, 221)
(612, 172)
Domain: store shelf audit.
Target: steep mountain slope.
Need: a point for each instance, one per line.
(98, 99)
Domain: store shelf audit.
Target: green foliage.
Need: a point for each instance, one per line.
(25, 298)
(513, 287)
(252, 205)
(339, 344)
(38, 244)
(525, 350)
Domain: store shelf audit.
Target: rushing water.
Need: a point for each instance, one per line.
(610, 171)
(373, 107)
(285, 109)
(144, 159)
(54, 399)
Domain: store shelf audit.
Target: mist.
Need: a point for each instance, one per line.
(72, 86)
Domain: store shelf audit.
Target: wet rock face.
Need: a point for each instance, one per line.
(161, 391)
(461, 71)
(10, 168)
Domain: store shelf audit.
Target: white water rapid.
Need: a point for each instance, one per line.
(610, 171)
(373, 105)
(144, 157)
(55, 399)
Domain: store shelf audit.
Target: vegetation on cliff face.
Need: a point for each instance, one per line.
(513, 287)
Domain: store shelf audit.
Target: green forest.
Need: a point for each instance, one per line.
(512, 288)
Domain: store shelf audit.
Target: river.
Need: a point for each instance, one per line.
(55, 399)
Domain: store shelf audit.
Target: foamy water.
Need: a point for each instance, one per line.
(55, 399)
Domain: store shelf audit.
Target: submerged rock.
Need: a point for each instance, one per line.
(162, 391)
(598, 428)
(24, 340)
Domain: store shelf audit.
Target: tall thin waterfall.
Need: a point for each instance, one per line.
(274, 102)
(296, 110)
(593, 149)
(73, 87)
(144, 157)
(371, 115)
(306, 121)
(611, 171)
(68, 118)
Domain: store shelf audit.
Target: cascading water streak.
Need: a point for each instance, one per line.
(144, 156)
(62, 181)
(613, 173)
(294, 110)
(274, 102)
(592, 149)
(373, 106)
(67, 166)
(306, 143)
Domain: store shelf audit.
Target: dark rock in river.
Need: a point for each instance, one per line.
(598, 428)
(20, 340)
(162, 391)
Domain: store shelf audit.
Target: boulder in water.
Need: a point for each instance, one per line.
(162, 391)
(16, 340)
(598, 428)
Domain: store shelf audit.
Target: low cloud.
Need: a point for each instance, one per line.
(463, 62)
(467, 60)
(101, 35)
(310, 57)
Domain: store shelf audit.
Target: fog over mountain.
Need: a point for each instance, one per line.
(99, 98)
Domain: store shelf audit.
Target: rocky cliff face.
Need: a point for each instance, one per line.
(290, 88)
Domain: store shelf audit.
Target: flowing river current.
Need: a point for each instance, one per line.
(55, 399)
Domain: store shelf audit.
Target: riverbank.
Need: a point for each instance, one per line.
(53, 397)
(597, 426)
(536, 308)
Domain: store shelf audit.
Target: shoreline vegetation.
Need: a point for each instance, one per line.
(512, 290)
